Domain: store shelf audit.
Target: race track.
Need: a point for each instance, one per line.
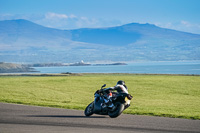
(21, 118)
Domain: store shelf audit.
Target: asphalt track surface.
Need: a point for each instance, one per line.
(31, 119)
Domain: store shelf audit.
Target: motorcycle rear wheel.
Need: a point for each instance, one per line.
(89, 109)
(118, 110)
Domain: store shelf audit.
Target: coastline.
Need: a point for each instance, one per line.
(81, 74)
(147, 68)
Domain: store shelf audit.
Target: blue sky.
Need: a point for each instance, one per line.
(183, 15)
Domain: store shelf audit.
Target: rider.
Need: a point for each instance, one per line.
(120, 87)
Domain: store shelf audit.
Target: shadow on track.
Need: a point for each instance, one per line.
(66, 116)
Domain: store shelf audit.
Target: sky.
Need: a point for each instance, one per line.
(182, 15)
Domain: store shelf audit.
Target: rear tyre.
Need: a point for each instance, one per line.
(117, 111)
(89, 109)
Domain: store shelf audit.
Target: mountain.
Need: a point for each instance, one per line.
(25, 41)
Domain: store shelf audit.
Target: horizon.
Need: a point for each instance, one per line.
(180, 15)
(104, 27)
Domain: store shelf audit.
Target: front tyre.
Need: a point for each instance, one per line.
(89, 109)
(119, 107)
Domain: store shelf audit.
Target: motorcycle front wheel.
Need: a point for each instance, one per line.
(89, 109)
(119, 107)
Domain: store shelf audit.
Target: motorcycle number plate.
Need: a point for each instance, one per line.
(126, 99)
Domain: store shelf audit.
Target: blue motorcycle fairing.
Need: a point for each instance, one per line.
(97, 105)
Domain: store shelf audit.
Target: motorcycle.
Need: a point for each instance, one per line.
(121, 101)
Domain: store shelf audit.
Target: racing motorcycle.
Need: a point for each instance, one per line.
(121, 101)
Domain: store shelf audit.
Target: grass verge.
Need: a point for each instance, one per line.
(158, 95)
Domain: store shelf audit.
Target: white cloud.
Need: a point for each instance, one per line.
(185, 23)
(52, 15)
(64, 21)
(72, 16)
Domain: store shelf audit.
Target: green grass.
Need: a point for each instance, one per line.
(157, 95)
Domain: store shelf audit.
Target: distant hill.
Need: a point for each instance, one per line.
(14, 68)
(24, 41)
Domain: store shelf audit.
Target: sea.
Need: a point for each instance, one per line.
(164, 67)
